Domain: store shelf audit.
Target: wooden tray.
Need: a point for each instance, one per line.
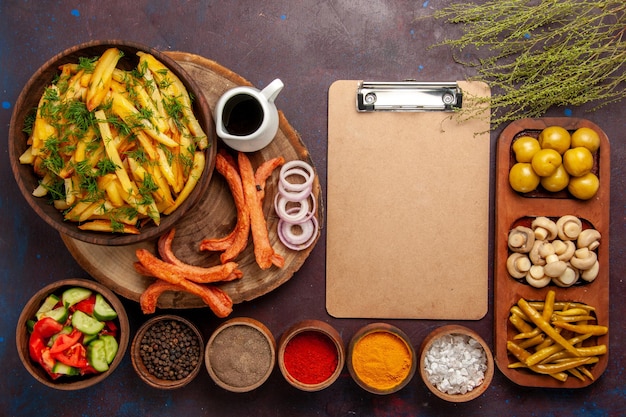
(512, 206)
(213, 216)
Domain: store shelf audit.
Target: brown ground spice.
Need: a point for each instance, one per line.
(240, 356)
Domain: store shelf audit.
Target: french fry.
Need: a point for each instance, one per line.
(175, 89)
(111, 150)
(125, 109)
(76, 140)
(199, 162)
(107, 226)
(101, 77)
(42, 188)
(42, 129)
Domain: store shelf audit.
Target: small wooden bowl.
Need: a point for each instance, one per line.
(314, 328)
(141, 368)
(456, 330)
(22, 335)
(240, 354)
(397, 336)
(29, 99)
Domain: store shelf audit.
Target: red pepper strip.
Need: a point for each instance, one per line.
(75, 356)
(86, 306)
(65, 341)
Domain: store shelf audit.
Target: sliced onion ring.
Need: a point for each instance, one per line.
(296, 167)
(307, 237)
(294, 214)
(294, 195)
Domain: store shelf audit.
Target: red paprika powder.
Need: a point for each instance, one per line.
(310, 357)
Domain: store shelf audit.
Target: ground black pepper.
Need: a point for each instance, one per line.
(170, 350)
(240, 356)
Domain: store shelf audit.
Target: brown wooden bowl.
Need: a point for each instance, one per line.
(28, 101)
(313, 328)
(142, 370)
(22, 335)
(381, 351)
(455, 330)
(240, 354)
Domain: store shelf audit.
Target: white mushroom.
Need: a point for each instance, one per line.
(521, 239)
(583, 259)
(592, 273)
(569, 227)
(567, 278)
(555, 268)
(518, 264)
(534, 254)
(589, 238)
(564, 249)
(544, 228)
(536, 277)
(545, 250)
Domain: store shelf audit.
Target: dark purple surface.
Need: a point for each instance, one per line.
(308, 45)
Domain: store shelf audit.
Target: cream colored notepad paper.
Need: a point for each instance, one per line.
(407, 211)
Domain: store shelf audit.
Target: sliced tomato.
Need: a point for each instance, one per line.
(110, 328)
(86, 305)
(36, 345)
(65, 341)
(47, 327)
(75, 356)
(47, 361)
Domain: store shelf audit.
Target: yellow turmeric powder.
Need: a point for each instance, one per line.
(381, 360)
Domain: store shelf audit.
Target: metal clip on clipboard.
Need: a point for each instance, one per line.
(408, 96)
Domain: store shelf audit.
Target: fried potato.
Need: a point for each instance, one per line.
(96, 120)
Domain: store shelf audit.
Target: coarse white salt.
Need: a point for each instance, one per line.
(455, 364)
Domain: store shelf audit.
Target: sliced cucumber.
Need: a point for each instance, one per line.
(60, 314)
(85, 323)
(74, 295)
(47, 305)
(63, 369)
(88, 338)
(103, 310)
(110, 347)
(96, 355)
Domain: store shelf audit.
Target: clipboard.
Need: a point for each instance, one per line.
(407, 205)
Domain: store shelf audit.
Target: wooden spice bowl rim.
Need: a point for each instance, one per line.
(248, 322)
(317, 326)
(381, 328)
(28, 312)
(142, 370)
(462, 330)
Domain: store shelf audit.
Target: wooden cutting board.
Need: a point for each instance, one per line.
(213, 216)
(407, 211)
